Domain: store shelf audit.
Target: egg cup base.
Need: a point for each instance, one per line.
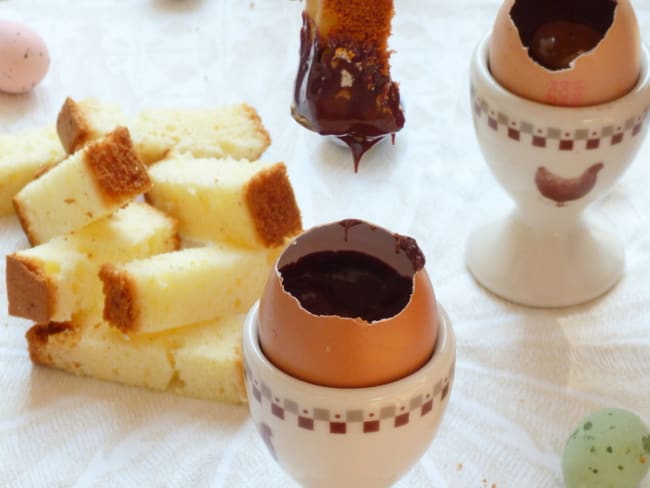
(544, 269)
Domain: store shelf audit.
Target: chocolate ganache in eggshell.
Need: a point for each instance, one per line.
(349, 304)
(350, 283)
(343, 86)
(558, 31)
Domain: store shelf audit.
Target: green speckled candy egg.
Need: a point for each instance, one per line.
(609, 449)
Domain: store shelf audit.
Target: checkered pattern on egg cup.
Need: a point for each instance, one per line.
(556, 138)
(372, 433)
(518, 136)
(394, 414)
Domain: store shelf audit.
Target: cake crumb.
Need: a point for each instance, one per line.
(459, 466)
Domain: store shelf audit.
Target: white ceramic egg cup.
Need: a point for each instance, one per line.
(347, 437)
(553, 161)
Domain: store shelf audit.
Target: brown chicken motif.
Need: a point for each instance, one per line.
(562, 190)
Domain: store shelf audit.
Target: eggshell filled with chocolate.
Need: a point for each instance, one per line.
(24, 58)
(566, 52)
(370, 319)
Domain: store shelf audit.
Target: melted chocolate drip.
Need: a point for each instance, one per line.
(343, 89)
(404, 244)
(347, 224)
(347, 284)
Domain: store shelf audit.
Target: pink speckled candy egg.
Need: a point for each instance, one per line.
(24, 58)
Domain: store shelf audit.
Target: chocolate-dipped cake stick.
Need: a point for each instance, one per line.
(343, 86)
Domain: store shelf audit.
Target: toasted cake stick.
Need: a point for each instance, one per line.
(183, 287)
(79, 123)
(23, 156)
(200, 360)
(100, 351)
(250, 204)
(86, 186)
(236, 131)
(58, 280)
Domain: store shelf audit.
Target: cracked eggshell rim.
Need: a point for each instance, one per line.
(604, 73)
(488, 86)
(347, 352)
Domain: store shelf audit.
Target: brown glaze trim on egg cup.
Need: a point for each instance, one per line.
(348, 421)
(565, 140)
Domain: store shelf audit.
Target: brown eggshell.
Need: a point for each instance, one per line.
(347, 352)
(605, 73)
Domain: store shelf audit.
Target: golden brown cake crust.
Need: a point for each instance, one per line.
(256, 120)
(38, 337)
(119, 290)
(272, 204)
(357, 20)
(71, 126)
(24, 222)
(29, 292)
(116, 167)
(41, 171)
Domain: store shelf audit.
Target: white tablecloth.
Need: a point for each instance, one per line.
(524, 377)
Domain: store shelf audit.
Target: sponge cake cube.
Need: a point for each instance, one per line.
(233, 130)
(79, 123)
(86, 186)
(183, 287)
(249, 204)
(198, 360)
(58, 280)
(100, 351)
